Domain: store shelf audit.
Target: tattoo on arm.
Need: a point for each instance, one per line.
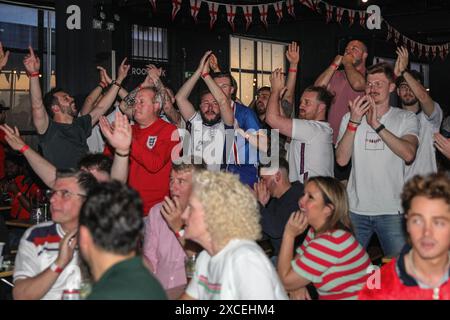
(287, 108)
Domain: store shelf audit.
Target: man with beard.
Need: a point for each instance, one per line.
(63, 135)
(380, 140)
(414, 97)
(311, 148)
(206, 127)
(345, 84)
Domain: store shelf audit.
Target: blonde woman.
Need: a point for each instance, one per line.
(330, 257)
(222, 216)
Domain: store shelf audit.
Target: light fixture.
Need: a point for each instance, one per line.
(97, 24)
(364, 1)
(110, 26)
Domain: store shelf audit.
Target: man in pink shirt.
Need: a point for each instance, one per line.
(346, 84)
(163, 251)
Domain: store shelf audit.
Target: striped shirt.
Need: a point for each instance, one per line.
(334, 262)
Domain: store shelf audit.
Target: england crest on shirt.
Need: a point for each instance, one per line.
(151, 141)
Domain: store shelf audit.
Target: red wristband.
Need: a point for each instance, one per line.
(204, 75)
(335, 66)
(179, 234)
(292, 70)
(34, 74)
(55, 268)
(351, 128)
(24, 148)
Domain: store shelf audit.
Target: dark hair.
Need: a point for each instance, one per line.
(282, 164)
(433, 186)
(233, 81)
(50, 100)
(98, 161)
(203, 92)
(112, 213)
(86, 181)
(323, 95)
(415, 74)
(382, 67)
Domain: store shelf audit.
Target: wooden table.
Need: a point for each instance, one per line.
(19, 223)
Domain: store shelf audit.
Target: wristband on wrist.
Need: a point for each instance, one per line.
(116, 83)
(292, 70)
(204, 75)
(55, 268)
(122, 154)
(334, 65)
(381, 127)
(24, 148)
(355, 122)
(34, 74)
(351, 127)
(179, 234)
(403, 72)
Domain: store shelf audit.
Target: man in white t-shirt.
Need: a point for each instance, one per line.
(311, 147)
(414, 97)
(379, 140)
(47, 259)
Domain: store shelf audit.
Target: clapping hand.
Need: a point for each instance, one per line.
(120, 136)
(402, 61)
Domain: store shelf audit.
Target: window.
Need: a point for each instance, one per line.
(21, 26)
(251, 63)
(149, 43)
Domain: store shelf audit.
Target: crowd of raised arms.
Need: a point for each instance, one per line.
(154, 197)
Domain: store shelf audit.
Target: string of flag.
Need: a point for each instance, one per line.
(331, 13)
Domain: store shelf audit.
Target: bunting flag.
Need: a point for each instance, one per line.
(362, 18)
(351, 16)
(8, 76)
(396, 36)
(231, 15)
(419, 49)
(176, 5)
(445, 50)
(441, 52)
(290, 7)
(433, 50)
(248, 15)
(310, 4)
(153, 3)
(212, 7)
(339, 14)
(195, 8)
(427, 48)
(329, 12)
(263, 11)
(389, 33)
(278, 6)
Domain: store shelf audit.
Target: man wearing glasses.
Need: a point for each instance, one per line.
(380, 140)
(46, 251)
(414, 97)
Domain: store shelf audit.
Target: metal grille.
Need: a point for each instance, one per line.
(149, 43)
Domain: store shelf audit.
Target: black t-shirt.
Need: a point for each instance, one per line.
(63, 144)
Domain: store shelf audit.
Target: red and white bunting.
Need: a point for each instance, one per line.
(263, 11)
(248, 15)
(433, 50)
(445, 50)
(290, 7)
(396, 36)
(441, 52)
(419, 49)
(278, 6)
(351, 16)
(405, 41)
(339, 14)
(231, 15)
(212, 8)
(153, 3)
(309, 3)
(195, 8)
(176, 5)
(329, 12)
(362, 18)
(427, 48)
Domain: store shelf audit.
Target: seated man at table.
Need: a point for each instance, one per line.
(110, 229)
(47, 252)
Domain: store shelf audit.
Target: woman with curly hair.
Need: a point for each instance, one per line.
(330, 256)
(223, 217)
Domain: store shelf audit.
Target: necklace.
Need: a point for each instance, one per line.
(413, 270)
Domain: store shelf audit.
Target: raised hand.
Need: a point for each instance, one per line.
(123, 70)
(277, 81)
(171, 211)
(3, 57)
(31, 62)
(66, 249)
(262, 193)
(338, 60)
(203, 61)
(12, 137)
(402, 61)
(104, 77)
(293, 53)
(120, 136)
(296, 224)
(358, 108)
